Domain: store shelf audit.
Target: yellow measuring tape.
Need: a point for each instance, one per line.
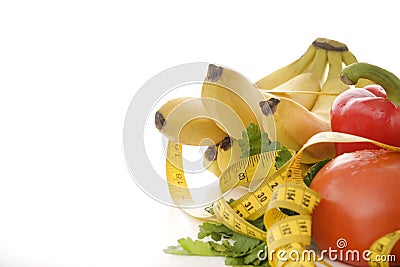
(282, 188)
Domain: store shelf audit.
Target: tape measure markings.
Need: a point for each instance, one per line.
(283, 188)
(177, 185)
(230, 219)
(253, 204)
(382, 247)
(295, 228)
(244, 169)
(295, 197)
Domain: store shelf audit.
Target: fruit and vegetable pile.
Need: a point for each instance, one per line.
(328, 129)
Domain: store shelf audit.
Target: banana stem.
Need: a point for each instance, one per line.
(329, 45)
(352, 73)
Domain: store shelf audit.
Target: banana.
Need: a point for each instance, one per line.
(349, 58)
(232, 101)
(302, 82)
(184, 120)
(318, 65)
(332, 84)
(288, 72)
(210, 160)
(301, 65)
(228, 153)
(295, 125)
(290, 104)
(309, 81)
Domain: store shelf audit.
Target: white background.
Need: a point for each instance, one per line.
(68, 71)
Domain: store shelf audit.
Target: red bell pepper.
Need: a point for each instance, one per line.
(368, 111)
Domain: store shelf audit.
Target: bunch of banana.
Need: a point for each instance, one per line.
(289, 121)
(290, 104)
(313, 80)
(305, 74)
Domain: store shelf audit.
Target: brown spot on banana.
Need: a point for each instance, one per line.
(214, 73)
(184, 120)
(295, 125)
(159, 120)
(226, 143)
(268, 107)
(211, 153)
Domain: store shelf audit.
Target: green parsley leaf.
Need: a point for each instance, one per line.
(197, 247)
(187, 246)
(314, 169)
(244, 244)
(250, 258)
(238, 250)
(267, 145)
(215, 230)
(225, 248)
(283, 157)
(235, 261)
(244, 146)
(254, 135)
(254, 142)
(176, 250)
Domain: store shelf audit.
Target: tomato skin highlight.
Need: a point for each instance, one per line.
(360, 201)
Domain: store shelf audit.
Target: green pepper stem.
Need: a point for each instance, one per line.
(352, 73)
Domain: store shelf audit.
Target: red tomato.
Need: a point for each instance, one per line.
(360, 201)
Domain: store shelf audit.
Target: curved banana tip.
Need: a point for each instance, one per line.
(159, 120)
(211, 153)
(214, 72)
(268, 107)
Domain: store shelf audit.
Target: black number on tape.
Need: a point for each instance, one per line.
(239, 213)
(242, 176)
(262, 197)
(286, 229)
(226, 215)
(306, 200)
(275, 184)
(248, 206)
(238, 226)
(250, 232)
(290, 194)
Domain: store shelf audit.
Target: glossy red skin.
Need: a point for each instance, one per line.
(360, 200)
(365, 112)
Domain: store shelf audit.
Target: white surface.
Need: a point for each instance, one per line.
(68, 71)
